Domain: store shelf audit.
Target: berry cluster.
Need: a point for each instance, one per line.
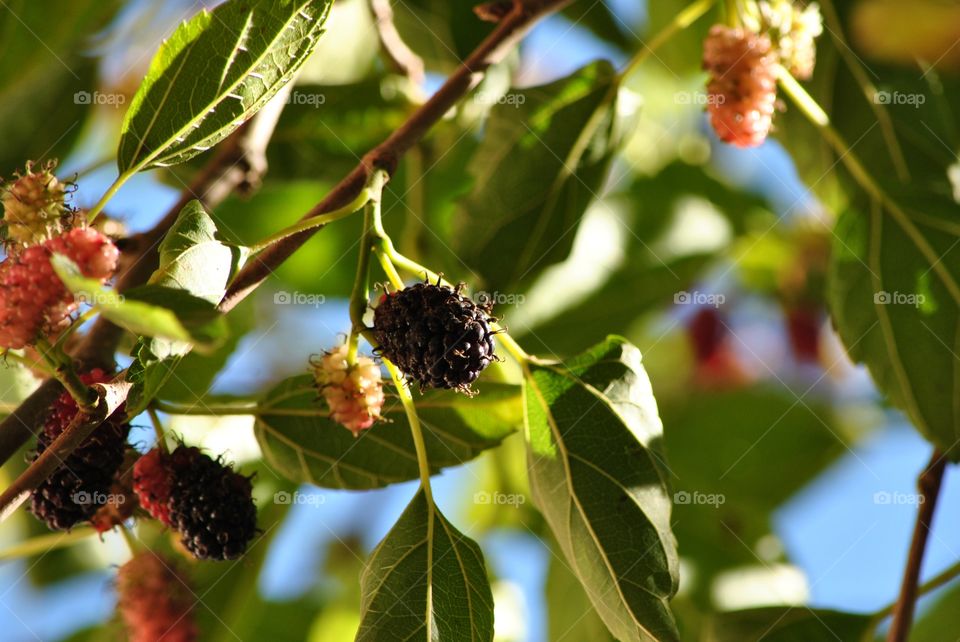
(33, 300)
(155, 601)
(209, 504)
(80, 485)
(354, 393)
(435, 335)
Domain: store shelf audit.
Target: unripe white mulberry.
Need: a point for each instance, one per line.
(354, 394)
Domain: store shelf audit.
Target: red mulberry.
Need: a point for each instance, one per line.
(209, 504)
(743, 84)
(33, 299)
(155, 600)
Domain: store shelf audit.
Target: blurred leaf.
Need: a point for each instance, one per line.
(941, 616)
(601, 20)
(593, 432)
(212, 74)
(194, 260)
(543, 159)
(893, 287)
(193, 375)
(326, 129)
(895, 296)
(442, 33)
(325, 264)
(42, 72)
(715, 447)
(718, 451)
(787, 624)
(425, 581)
(303, 444)
(651, 273)
(151, 311)
(631, 291)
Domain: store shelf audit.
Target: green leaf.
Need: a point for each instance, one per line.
(570, 614)
(193, 260)
(894, 294)
(719, 451)
(212, 74)
(442, 33)
(592, 434)
(787, 624)
(543, 159)
(301, 443)
(425, 581)
(326, 128)
(43, 71)
(157, 312)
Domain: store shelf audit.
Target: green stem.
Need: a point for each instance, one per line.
(360, 296)
(316, 221)
(170, 408)
(62, 368)
(158, 430)
(45, 543)
(732, 13)
(415, 430)
(681, 21)
(10, 355)
(129, 540)
(66, 334)
(111, 191)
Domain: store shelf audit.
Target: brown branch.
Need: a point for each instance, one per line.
(238, 165)
(387, 154)
(929, 486)
(403, 59)
(111, 396)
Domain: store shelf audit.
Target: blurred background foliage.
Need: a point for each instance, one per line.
(712, 260)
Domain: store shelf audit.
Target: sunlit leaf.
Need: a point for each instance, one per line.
(245, 51)
(593, 433)
(425, 581)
